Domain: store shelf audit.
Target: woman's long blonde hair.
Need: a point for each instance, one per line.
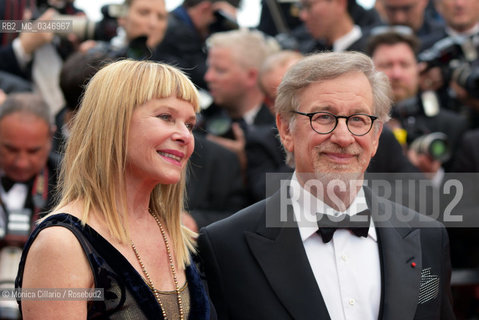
(93, 168)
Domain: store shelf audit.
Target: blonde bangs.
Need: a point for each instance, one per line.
(169, 82)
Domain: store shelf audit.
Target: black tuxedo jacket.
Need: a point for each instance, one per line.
(466, 158)
(255, 271)
(214, 183)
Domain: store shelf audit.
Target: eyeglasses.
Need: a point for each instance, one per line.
(323, 122)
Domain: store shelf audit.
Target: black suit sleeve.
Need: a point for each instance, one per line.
(209, 267)
(466, 158)
(214, 185)
(390, 156)
(9, 63)
(447, 311)
(265, 155)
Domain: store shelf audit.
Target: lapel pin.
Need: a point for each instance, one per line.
(413, 264)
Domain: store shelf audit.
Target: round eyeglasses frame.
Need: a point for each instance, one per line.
(312, 114)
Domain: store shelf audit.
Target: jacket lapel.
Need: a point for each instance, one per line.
(280, 253)
(401, 257)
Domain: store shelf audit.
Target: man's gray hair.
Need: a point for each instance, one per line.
(26, 103)
(250, 47)
(327, 66)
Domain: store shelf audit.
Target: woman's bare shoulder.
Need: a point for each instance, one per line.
(57, 255)
(56, 260)
(54, 257)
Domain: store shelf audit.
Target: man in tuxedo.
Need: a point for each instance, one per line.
(27, 169)
(284, 258)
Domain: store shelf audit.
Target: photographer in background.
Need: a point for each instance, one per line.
(37, 57)
(331, 26)
(188, 27)
(429, 133)
(451, 65)
(142, 27)
(412, 13)
(28, 179)
(461, 19)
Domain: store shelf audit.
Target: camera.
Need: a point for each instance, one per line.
(103, 30)
(14, 231)
(223, 22)
(435, 145)
(406, 108)
(442, 53)
(220, 125)
(86, 29)
(455, 57)
(467, 77)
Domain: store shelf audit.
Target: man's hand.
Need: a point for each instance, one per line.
(424, 162)
(464, 96)
(237, 145)
(31, 41)
(430, 79)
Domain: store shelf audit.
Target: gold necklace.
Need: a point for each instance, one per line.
(155, 291)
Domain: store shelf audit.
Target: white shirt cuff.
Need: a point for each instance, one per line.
(22, 57)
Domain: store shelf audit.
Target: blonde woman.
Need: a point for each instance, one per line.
(117, 225)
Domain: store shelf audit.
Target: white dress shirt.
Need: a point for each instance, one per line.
(348, 39)
(347, 269)
(14, 202)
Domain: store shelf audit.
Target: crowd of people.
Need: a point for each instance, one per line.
(118, 147)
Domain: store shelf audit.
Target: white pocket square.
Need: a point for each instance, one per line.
(429, 288)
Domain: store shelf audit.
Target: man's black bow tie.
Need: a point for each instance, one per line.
(8, 183)
(357, 224)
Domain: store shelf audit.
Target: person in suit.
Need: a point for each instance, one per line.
(234, 59)
(189, 25)
(263, 148)
(28, 169)
(265, 153)
(278, 260)
(414, 14)
(17, 55)
(415, 112)
(142, 27)
(461, 19)
(28, 172)
(461, 29)
(331, 26)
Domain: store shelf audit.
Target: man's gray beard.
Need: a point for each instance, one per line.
(337, 172)
(321, 183)
(339, 178)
